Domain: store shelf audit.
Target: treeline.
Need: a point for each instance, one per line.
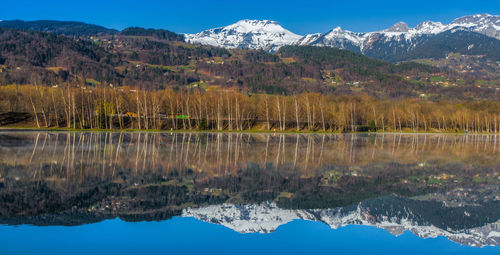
(129, 108)
(438, 46)
(160, 34)
(28, 57)
(167, 54)
(354, 63)
(67, 28)
(45, 58)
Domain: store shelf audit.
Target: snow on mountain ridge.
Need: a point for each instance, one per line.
(263, 218)
(430, 27)
(267, 217)
(308, 39)
(400, 36)
(248, 26)
(398, 27)
(246, 34)
(482, 23)
(270, 35)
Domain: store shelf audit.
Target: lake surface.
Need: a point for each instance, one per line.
(234, 193)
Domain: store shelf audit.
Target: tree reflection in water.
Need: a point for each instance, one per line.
(72, 178)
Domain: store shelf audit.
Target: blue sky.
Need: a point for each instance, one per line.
(302, 17)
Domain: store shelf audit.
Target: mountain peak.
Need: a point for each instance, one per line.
(257, 22)
(477, 19)
(398, 27)
(430, 27)
(246, 34)
(337, 29)
(482, 23)
(248, 26)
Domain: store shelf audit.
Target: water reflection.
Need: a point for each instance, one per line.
(394, 214)
(445, 183)
(222, 153)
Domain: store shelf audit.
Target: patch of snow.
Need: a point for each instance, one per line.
(494, 234)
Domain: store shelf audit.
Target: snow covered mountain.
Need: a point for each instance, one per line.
(393, 44)
(400, 39)
(481, 23)
(337, 38)
(246, 34)
(392, 214)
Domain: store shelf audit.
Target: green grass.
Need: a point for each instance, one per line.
(438, 79)
(481, 82)
(418, 82)
(436, 181)
(200, 84)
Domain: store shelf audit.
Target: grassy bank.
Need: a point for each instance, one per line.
(290, 131)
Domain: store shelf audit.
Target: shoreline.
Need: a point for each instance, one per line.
(31, 129)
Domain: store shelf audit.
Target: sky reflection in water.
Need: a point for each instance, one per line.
(445, 185)
(191, 236)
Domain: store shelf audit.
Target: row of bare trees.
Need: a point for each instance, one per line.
(129, 108)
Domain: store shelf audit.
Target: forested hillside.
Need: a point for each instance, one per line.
(68, 28)
(459, 41)
(155, 33)
(158, 59)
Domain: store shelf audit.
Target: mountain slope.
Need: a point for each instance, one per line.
(20, 48)
(336, 38)
(394, 44)
(481, 23)
(400, 42)
(27, 57)
(44, 57)
(160, 34)
(397, 43)
(457, 41)
(68, 28)
(246, 34)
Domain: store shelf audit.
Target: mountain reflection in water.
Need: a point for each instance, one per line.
(431, 185)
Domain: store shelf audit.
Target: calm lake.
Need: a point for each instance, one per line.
(236, 193)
